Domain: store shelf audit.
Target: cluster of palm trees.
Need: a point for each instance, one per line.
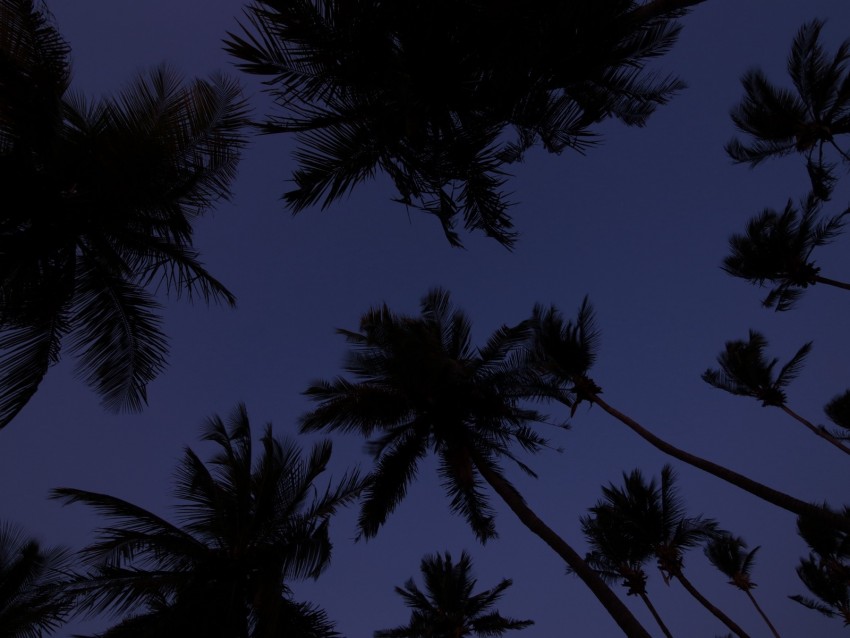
(101, 198)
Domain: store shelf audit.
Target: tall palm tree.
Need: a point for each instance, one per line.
(777, 248)
(779, 121)
(565, 351)
(826, 571)
(615, 559)
(448, 608)
(440, 105)
(651, 519)
(745, 371)
(99, 199)
(248, 527)
(419, 386)
(33, 601)
(728, 554)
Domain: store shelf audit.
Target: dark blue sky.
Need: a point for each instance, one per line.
(639, 224)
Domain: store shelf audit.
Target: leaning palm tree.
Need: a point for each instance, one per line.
(565, 351)
(248, 527)
(33, 600)
(813, 116)
(650, 519)
(777, 249)
(448, 608)
(745, 371)
(728, 554)
(838, 411)
(419, 386)
(826, 571)
(615, 559)
(99, 200)
(430, 95)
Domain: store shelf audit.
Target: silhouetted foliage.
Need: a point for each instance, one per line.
(448, 608)
(440, 96)
(248, 528)
(99, 199)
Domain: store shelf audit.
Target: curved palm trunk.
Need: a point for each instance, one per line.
(780, 499)
(654, 613)
(707, 604)
(821, 432)
(613, 605)
(762, 614)
(832, 282)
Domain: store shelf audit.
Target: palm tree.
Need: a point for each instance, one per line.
(564, 352)
(419, 385)
(248, 528)
(826, 571)
(448, 608)
(777, 248)
(779, 121)
(650, 519)
(745, 371)
(99, 199)
(614, 559)
(728, 554)
(33, 601)
(441, 106)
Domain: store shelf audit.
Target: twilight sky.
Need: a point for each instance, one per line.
(639, 224)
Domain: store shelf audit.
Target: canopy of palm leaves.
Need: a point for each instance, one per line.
(448, 608)
(247, 528)
(777, 248)
(419, 385)
(441, 95)
(728, 554)
(815, 114)
(826, 571)
(647, 519)
(745, 371)
(33, 601)
(99, 199)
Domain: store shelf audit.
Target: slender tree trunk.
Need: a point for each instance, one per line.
(761, 613)
(780, 499)
(832, 282)
(655, 614)
(614, 606)
(821, 432)
(657, 8)
(714, 610)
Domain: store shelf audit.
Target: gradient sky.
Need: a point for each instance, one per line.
(640, 224)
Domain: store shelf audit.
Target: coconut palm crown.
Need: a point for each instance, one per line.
(248, 528)
(806, 120)
(776, 250)
(448, 608)
(432, 95)
(99, 201)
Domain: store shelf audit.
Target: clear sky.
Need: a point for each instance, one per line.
(640, 224)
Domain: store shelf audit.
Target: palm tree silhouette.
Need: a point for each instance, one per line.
(442, 106)
(615, 559)
(650, 518)
(745, 371)
(728, 554)
(99, 202)
(777, 248)
(247, 528)
(419, 385)
(448, 608)
(826, 571)
(779, 121)
(565, 351)
(838, 411)
(33, 601)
